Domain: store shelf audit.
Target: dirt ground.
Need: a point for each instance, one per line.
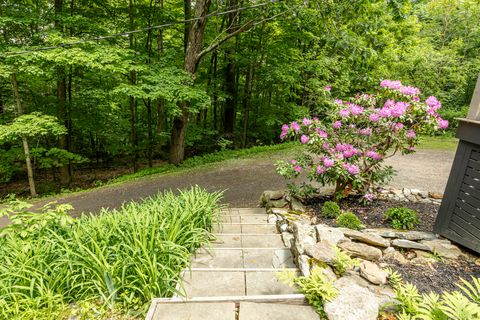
(244, 180)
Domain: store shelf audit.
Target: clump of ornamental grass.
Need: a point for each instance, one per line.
(118, 260)
(347, 148)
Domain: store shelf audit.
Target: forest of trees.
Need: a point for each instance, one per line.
(204, 75)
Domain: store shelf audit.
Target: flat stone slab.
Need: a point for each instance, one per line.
(260, 258)
(195, 311)
(211, 284)
(266, 283)
(258, 228)
(275, 311)
(227, 241)
(227, 228)
(219, 259)
(250, 210)
(262, 241)
(261, 218)
(230, 219)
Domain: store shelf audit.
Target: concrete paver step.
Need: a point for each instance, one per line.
(248, 240)
(244, 258)
(275, 311)
(245, 228)
(195, 311)
(208, 283)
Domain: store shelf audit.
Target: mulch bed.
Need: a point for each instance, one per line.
(438, 277)
(373, 215)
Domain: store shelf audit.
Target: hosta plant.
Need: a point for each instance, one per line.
(348, 147)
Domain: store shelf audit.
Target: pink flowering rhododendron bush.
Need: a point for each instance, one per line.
(348, 147)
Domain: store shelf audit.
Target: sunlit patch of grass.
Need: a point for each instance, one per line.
(445, 143)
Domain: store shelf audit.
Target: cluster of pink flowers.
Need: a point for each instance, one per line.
(361, 132)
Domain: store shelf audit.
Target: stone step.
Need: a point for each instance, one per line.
(234, 282)
(249, 240)
(211, 308)
(275, 311)
(258, 218)
(245, 211)
(244, 258)
(245, 228)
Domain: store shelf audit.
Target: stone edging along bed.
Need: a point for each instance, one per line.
(363, 290)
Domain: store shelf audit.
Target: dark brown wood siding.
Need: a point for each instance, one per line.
(459, 215)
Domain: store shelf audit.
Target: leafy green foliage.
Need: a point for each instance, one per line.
(330, 209)
(316, 288)
(118, 260)
(402, 218)
(343, 262)
(431, 306)
(32, 125)
(349, 220)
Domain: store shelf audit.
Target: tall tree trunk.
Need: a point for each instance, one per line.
(230, 74)
(132, 102)
(193, 48)
(215, 91)
(246, 103)
(149, 133)
(65, 177)
(26, 149)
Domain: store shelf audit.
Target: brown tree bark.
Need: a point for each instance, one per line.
(132, 101)
(246, 102)
(192, 51)
(26, 149)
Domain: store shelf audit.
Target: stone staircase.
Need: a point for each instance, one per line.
(236, 278)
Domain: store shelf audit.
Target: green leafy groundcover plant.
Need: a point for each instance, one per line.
(348, 146)
(349, 220)
(402, 218)
(117, 261)
(330, 209)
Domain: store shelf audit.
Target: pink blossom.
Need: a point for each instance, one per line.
(344, 113)
(385, 112)
(293, 161)
(339, 156)
(295, 126)
(284, 133)
(399, 109)
(351, 168)
(411, 148)
(350, 152)
(327, 162)
(410, 134)
(337, 124)
(409, 91)
(340, 147)
(297, 168)
(304, 139)
(433, 103)
(391, 84)
(315, 119)
(373, 155)
(328, 88)
(321, 133)
(443, 124)
(356, 110)
(398, 126)
(374, 117)
(306, 122)
(326, 146)
(339, 102)
(320, 169)
(365, 132)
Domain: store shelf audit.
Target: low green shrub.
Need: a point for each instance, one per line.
(119, 260)
(316, 288)
(349, 220)
(330, 209)
(402, 218)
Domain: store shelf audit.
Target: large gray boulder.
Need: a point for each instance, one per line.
(408, 244)
(352, 302)
(368, 238)
(372, 272)
(361, 250)
(322, 251)
(330, 234)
